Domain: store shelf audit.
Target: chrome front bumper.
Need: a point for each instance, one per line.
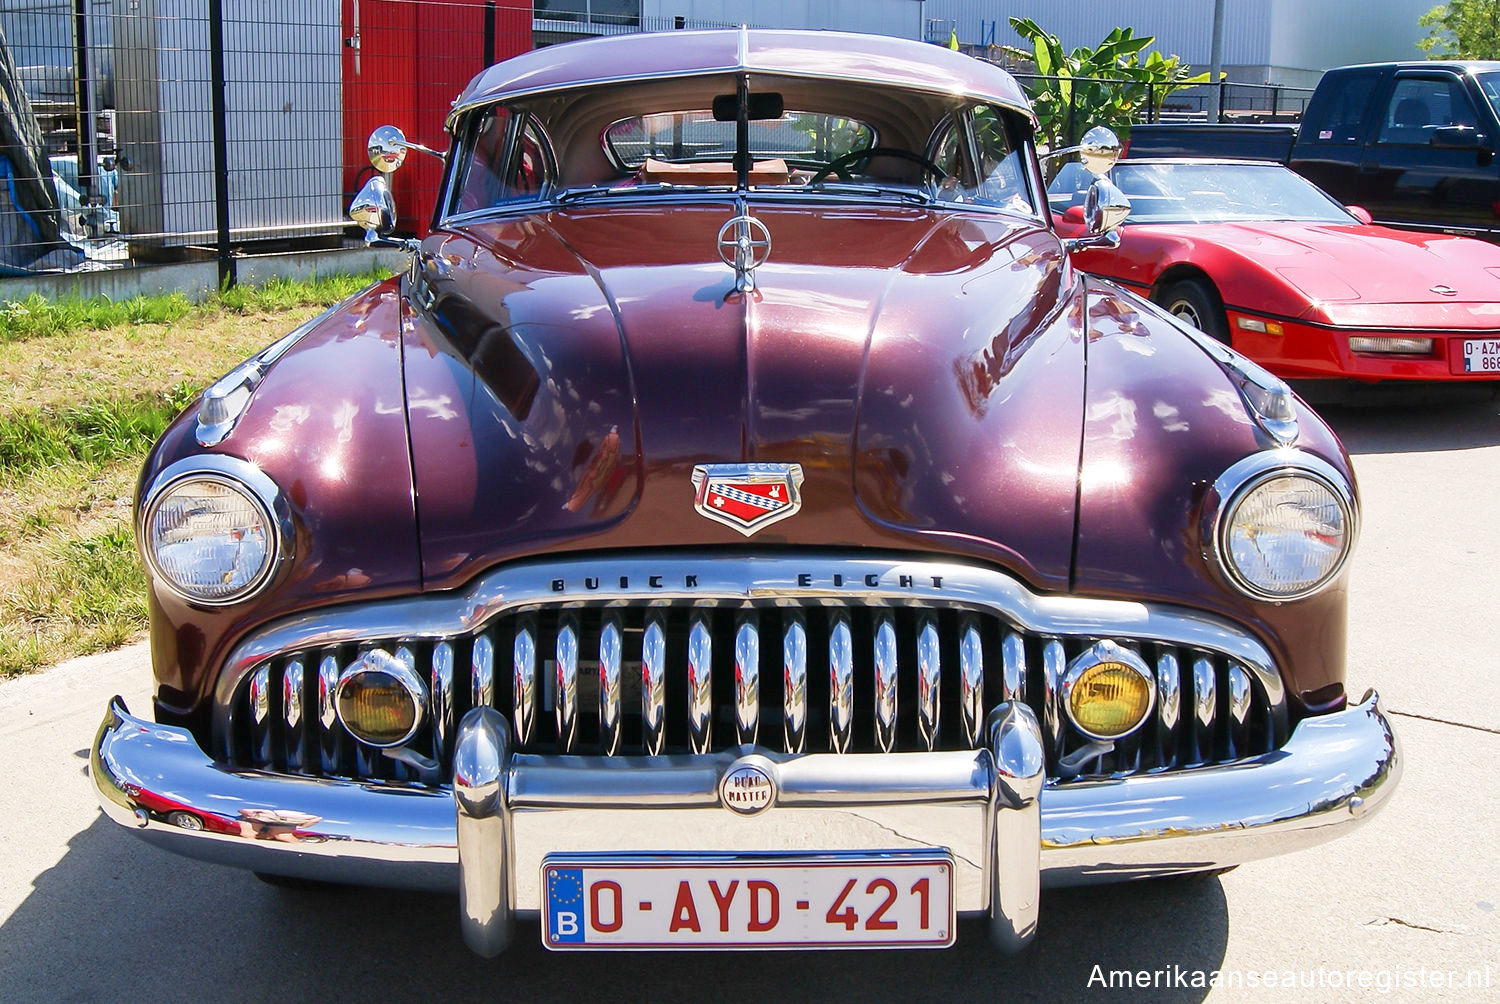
(1008, 834)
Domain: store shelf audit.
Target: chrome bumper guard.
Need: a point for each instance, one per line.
(1008, 833)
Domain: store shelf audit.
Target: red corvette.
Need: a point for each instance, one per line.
(1260, 258)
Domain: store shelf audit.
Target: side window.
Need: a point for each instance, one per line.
(1343, 113)
(1418, 105)
(1002, 172)
(491, 173)
(949, 154)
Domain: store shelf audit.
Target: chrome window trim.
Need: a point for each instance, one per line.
(1244, 476)
(757, 577)
(235, 473)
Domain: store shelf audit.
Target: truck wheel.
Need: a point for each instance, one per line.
(1197, 303)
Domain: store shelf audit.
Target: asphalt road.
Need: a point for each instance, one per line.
(1408, 900)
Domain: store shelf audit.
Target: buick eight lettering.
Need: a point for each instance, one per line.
(742, 526)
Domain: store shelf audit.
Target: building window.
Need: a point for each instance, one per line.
(623, 13)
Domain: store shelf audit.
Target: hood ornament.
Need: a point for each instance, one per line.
(744, 245)
(747, 497)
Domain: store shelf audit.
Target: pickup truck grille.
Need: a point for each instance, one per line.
(881, 670)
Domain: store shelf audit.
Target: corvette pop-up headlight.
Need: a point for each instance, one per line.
(210, 533)
(1286, 525)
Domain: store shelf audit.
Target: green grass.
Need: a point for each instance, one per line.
(92, 599)
(95, 432)
(85, 388)
(37, 317)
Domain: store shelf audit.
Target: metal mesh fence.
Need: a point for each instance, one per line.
(139, 131)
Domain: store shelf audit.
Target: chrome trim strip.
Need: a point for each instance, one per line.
(611, 647)
(747, 679)
(482, 838)
(1205, 704)
(482, 672)
(1239, 708)
(700, 683)
(291, 713)
(260, 714)
(1013, 664)
(1333, 772)
(240, 474)
(1168, 699)
(840, 682)
(794, 682)
(441, 699)
(1019, 764)
(524, 679)
(328, 719)
(566, 691)
(654, 685)
(929, 681)
(886, 672)
(970, 678)
(1054, 716)
(754, 576)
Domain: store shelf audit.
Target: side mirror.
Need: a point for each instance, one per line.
(387, 148)
(1099, 150)
(1456, 137)
(1104, 208)
(1361, 213)
(374, 209)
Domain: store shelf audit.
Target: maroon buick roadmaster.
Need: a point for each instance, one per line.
(741, 527)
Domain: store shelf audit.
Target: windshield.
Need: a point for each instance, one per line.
(1204, 192)
(937, 154)
(1489, 83)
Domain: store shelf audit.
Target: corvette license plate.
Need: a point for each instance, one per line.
(1478, 355)
(820, 901)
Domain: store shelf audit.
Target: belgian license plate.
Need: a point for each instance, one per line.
(820, 901)
(1480, 355)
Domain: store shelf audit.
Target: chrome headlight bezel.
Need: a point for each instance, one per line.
(1243, 478)
(250, 482)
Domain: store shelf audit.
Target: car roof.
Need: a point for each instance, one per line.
(825, 55)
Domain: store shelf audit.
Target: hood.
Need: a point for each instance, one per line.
(1353, 274)
(566, 372)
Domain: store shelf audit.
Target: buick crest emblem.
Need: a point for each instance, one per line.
(744, 245)
(1444, 290)
(747, 789)
(747, 497)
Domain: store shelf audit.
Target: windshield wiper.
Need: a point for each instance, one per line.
(913, 195)
(592, 191)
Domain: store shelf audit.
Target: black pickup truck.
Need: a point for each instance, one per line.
(1413, 143)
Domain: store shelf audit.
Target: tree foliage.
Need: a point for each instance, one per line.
(1462, 29)
(1108, 84)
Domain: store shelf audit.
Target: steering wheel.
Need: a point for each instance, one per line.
(841, 165)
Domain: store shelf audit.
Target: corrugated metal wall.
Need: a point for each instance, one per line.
(902, 18)
(1303, 34)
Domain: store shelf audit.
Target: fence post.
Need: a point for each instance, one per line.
(85, 98)
(1150, 101)
(1275, 101)
(227, 275)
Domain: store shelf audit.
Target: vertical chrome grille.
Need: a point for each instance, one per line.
(680, 678)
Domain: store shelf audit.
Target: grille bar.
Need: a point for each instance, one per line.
(674, 675)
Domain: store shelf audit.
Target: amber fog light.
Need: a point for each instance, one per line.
(380, 700)
(1108, 692)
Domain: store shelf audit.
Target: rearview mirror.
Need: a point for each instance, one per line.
(387, 148)
(1099, 151)
(763, 106)
(1104, 208)
(1456, 137)
(374, 209)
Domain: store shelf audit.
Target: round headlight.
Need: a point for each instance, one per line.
(380, 699)
(1285, 535)
(1108, 691)
(210, 538)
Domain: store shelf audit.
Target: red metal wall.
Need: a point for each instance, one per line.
(404, 63)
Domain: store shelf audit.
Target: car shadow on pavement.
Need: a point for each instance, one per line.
(1414, 426)
(117, 918)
